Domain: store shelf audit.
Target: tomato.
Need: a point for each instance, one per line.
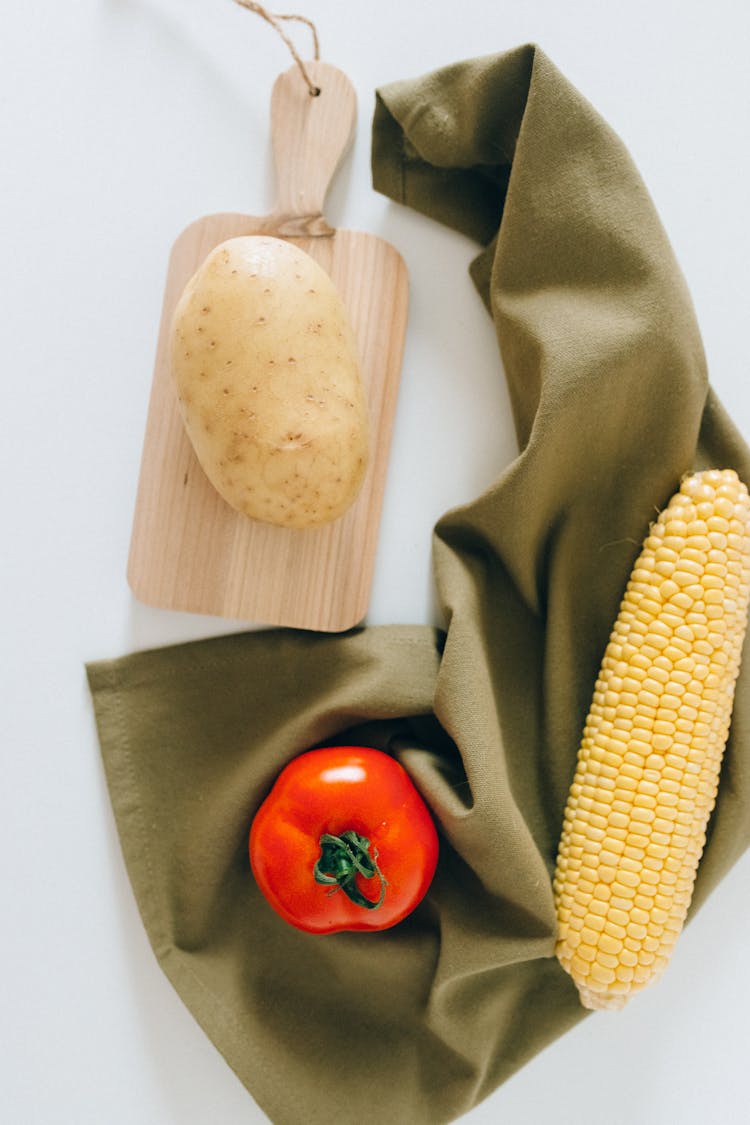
(343, 841)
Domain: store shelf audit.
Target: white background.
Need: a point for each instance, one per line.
(120, 122)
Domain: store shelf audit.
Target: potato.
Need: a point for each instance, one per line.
(269, 383)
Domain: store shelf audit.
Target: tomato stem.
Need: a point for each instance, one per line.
(344, 857)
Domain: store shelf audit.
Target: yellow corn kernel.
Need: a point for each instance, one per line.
(658, 723)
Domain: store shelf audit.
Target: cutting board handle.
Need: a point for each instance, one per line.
(310, 134)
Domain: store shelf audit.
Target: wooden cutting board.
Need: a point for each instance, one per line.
(189, 550)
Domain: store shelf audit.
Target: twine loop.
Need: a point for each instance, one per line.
(275, 21)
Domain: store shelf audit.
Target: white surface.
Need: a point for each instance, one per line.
(120, 123)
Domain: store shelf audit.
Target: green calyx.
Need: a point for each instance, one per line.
(344, 857)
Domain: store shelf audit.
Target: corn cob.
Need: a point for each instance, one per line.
(648, 764)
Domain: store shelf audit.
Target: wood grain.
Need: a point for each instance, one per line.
(189, 550)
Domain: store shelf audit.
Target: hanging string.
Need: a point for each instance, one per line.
(275, 21)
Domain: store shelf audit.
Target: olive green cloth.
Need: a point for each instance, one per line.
(415, 1025)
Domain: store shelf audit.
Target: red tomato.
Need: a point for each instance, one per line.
(343, 841)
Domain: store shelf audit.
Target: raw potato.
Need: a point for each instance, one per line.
(269, 384)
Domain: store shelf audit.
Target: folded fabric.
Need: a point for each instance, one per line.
(611, 403)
